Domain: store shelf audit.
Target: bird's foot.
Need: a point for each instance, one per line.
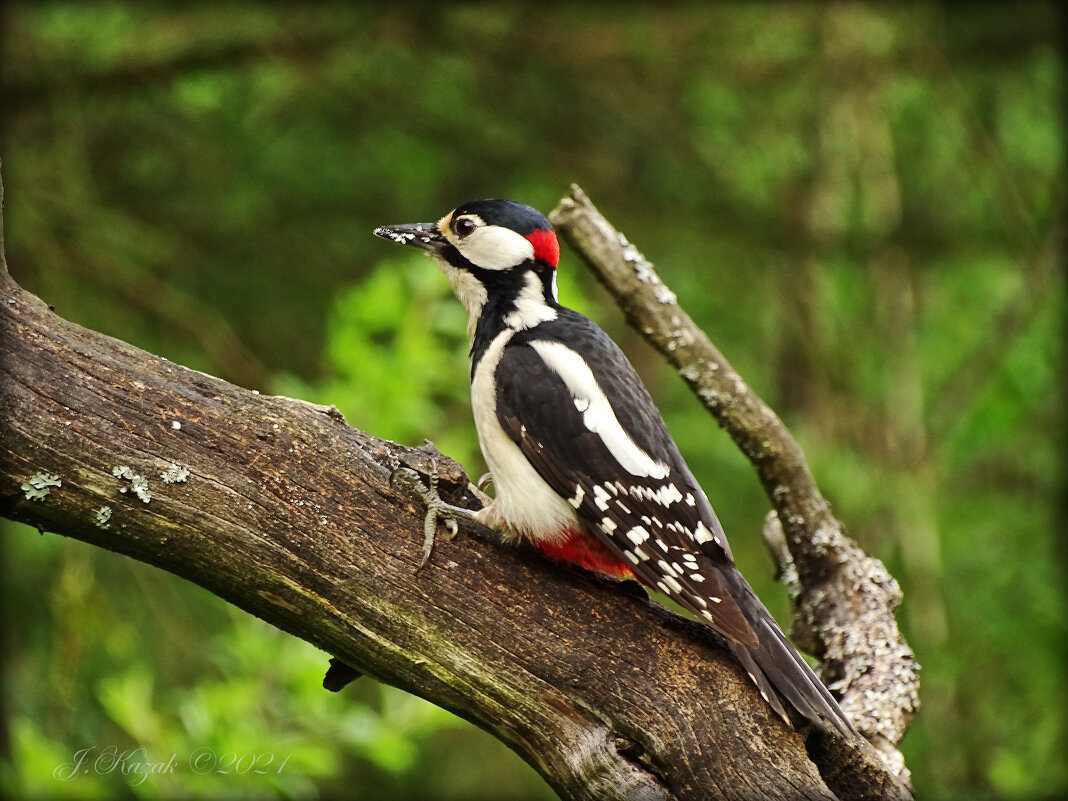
(436, 508)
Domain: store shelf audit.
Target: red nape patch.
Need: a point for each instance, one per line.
(546, 246)
(586, 551)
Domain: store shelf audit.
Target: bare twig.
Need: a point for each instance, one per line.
(844, 600)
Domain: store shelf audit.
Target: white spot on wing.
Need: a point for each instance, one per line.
(600, 497)
(672, 583)
(702, 534)
(665, 495)
(666, 568)
(576, 499)
(637, 535)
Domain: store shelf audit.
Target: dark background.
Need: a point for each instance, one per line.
(862, 203)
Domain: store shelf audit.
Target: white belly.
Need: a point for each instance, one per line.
(529, 506)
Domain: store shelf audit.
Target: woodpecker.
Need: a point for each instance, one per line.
(582, 463)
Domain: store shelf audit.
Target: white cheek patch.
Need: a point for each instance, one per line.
(493, 247)
(598, 416)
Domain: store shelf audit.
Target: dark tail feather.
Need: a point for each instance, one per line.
(780, 672)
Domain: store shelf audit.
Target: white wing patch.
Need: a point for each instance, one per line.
(598, 416)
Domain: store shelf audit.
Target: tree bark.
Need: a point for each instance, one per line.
(282, 509)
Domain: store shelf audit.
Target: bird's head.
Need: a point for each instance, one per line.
(488, 248)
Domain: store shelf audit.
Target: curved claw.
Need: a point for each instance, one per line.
(436, 508)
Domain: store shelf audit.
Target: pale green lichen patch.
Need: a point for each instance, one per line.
(644, 272)
(39, 485)
(139, 484)
(175, 474)
(103, 517)
(690, 373)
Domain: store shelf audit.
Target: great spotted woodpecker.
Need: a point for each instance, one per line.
(582, 463)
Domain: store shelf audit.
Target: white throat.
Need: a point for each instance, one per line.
(468, 289)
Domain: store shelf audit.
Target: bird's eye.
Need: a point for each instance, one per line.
(464, 226)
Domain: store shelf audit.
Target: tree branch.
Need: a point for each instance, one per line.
(844, 600)
(282, 509)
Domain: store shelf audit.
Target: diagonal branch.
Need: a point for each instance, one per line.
(844, 599)
(285, 511)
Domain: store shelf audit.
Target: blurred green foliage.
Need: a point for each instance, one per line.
(861, 203)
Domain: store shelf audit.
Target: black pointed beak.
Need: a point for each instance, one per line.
(420, 235)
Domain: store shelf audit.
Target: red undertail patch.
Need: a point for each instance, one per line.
(586, 551)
